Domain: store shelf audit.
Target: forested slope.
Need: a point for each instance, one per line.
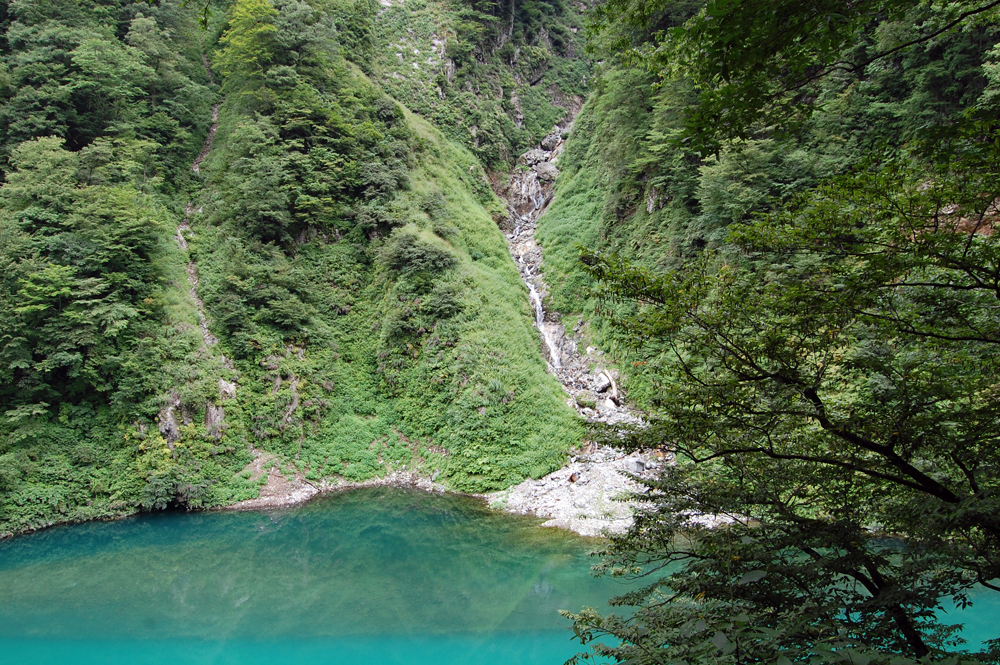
(629, 185)
(781, 217)
(328, 286)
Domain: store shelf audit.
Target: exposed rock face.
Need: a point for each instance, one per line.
(515, 101)
(584, 495)
(169, 427)
(214, 419)
(581, 496)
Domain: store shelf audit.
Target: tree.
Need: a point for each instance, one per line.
(81, 265)
(756, 63)
(248, 42)
(828, 391)
(825, 381)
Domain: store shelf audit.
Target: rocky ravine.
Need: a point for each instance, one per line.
(582, 496)
(172, 415)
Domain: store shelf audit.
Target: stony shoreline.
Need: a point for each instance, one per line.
(282, 491)
(586, 496)
(583, 496)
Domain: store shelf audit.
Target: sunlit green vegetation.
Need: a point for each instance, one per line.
(105, 107)
(347, 255)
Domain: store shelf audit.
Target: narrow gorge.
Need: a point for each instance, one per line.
(589, 494)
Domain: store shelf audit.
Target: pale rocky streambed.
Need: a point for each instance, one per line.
(585, 495)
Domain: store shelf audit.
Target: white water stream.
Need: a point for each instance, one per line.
(555, 355)
(590, 385)
(581, 496)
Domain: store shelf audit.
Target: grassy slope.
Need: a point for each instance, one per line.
(469, 398)
(497, 104)
(514, 422)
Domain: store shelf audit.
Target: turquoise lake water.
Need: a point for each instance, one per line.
(372, 577)
(369, 576)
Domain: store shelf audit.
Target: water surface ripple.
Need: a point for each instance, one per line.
(376, 576)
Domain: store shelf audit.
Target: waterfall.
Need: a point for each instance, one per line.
(584, 376)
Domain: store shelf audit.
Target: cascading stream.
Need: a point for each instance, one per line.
(583, 496)
(583, 375)
(555, 355)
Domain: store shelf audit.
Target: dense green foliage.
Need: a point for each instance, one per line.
(496, 76)
(631, 184)
(103, 115)
(83, 70)
(345, 256)
(811, 314)
(764, 63)
(836, 387)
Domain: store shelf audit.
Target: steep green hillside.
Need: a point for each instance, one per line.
(105, 108)
(330, 287)
(495, 77)
(630, 186)
(400, 328)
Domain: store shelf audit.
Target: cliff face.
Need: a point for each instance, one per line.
(321, 284)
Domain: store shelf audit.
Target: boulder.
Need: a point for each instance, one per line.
(533, 157)
(551, 141)
(547, 171)
(606, 406)
(227, 390)
(601, 382)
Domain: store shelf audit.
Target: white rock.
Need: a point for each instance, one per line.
(601, 382)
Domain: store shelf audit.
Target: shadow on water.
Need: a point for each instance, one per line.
(378, 575)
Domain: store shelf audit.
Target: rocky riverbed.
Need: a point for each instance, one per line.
(587, 495)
